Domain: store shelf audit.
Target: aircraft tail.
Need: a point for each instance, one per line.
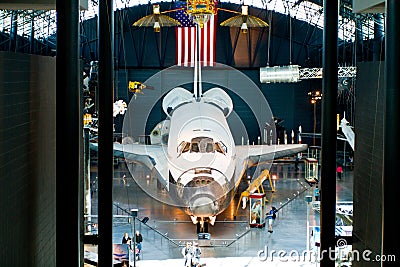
(348, 132)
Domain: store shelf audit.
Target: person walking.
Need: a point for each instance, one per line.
(138, 240)
(187, 254)
(316, 193)
(126, 240)
(271, 217)
(196, 255)
(339, 171)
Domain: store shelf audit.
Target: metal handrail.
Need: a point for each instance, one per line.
(291, 199)
(239, 237)
(158, 232)
(150, 227)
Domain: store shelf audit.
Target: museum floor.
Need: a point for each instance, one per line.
(232, 242)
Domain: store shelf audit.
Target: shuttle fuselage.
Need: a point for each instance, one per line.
(201, 158)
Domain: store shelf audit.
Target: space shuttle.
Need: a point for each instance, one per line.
(195, 156)
(196, 159)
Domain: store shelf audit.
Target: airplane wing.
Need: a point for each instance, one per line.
(152, 156)
(268, 152)
(247, 155)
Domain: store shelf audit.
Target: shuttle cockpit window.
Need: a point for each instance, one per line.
(209, 148)
(202, 145)
(194, 147)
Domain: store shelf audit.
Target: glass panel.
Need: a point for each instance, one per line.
(209, 148)
(45, 20)
(195, 147)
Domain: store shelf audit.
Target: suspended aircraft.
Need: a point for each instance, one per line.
(196, 159)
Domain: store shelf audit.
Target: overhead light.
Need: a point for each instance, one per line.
(156, 9)
(244, 28)
(156, 20)
(315, 96)
(244, 20)
(157, 27)
(245, 10)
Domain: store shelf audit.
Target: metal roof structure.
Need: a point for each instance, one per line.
(311, 11)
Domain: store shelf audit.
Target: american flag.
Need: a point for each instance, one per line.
(186, 39)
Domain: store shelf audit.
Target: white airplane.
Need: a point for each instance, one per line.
(197, 160)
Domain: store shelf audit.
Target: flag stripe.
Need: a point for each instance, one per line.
(178, 47)
(193, 46)
(204, 54)
(186, 41)
(212, 40)
(187, 45)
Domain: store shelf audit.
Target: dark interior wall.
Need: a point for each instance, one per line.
(27, 160)
(290, 102)
(368, 158)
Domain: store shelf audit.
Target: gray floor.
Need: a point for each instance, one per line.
(168, 227)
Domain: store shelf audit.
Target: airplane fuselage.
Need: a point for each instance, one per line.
(201, 158)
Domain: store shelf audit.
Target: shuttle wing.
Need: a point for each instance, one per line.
(254, 154)
(152, 156)
(268, 152)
